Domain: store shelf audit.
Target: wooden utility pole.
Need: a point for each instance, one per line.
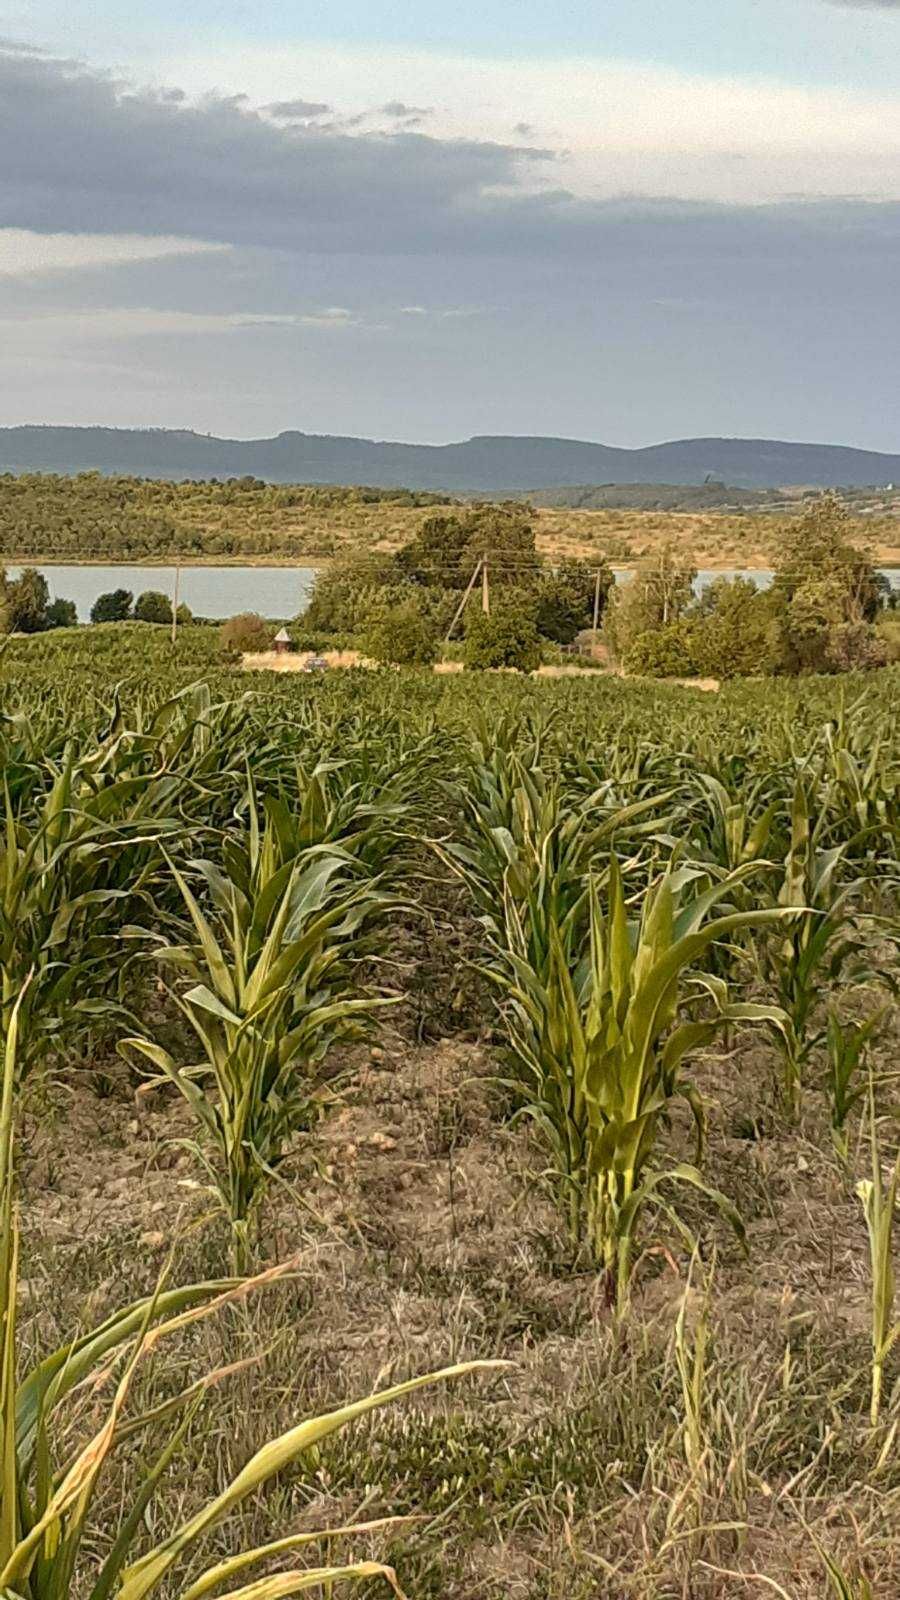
(485, 591)
(175, 602)
(462, 604)
(597, 600)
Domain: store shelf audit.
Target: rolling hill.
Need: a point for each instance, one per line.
(490, 465)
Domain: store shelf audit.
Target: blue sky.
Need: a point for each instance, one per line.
(801, 41)
(627, 220)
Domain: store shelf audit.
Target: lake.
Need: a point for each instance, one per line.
(209, 591)
(272, 591)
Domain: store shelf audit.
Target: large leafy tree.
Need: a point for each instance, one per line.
(62, 614)
(153, 606)
(659, 593)
(507, 636)
(26, 603)
(826, 593)
(566, 598)
(112, 607)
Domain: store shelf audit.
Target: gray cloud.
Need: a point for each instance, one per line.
(397, 108)
(302, 110)
(84, 152)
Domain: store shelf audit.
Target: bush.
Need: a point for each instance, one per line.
(401, 637)
(888, 631)
(855, 647)
(662, 652)
(112, 607)
(62, 614)
(506, 637)
(247, 632)
(153, 606)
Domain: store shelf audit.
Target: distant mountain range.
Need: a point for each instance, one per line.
(489, 465)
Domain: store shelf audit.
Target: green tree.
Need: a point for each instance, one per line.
(826, 594)
(245, 632)
(112, 607)
(662, 652)
(26, 602)
(153, 606)
(504, 536)
(347, 592)
(62, 614)
(401, 636)
(438, 557)
(506, 637)
(733, 632)
(566, 599)
(658, 594)
(448, 547)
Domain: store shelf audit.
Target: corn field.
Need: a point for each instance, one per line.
(522, 1048)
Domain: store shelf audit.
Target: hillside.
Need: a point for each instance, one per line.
(487, 465)
(90, 517)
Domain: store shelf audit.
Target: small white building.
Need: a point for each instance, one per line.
(283, 642)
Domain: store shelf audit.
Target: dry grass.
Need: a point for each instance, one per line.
(426, 1237)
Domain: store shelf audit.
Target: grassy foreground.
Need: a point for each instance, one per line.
(716, 1441)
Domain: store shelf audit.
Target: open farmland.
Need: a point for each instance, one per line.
(548, 1023)
(44, 517)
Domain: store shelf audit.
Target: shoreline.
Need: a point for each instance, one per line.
(318, 563)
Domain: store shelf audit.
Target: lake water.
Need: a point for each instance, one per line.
(272, 591)
(209, 591)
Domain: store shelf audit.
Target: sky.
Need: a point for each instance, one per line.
(623, 220)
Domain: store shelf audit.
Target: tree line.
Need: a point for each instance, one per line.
(26, 607)
(51, 516)
(827, 609)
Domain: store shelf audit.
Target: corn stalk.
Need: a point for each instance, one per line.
(271, 977)
(598, 1041)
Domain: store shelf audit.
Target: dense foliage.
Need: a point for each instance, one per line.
(90, 516)
(447, 575)
(819, 615)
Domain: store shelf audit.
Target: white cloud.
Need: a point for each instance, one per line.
(626, 126)
(26, 254)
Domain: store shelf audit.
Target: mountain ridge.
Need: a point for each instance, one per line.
(489, 464)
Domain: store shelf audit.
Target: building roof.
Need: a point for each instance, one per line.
(282, 636)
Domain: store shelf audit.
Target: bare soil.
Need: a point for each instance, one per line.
(425, 1235)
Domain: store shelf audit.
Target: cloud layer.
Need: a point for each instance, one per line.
(240, 264)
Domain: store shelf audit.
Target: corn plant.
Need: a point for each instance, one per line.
(70, 877)
(525, 839)
(330, 804)
(47, 1538)
(598, 1040)
(847, 1044)
(735, 828)
(860, 780)
(879, 1204)
(272, 987)
(812, 951)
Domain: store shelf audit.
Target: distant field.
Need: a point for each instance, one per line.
(85, 518)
